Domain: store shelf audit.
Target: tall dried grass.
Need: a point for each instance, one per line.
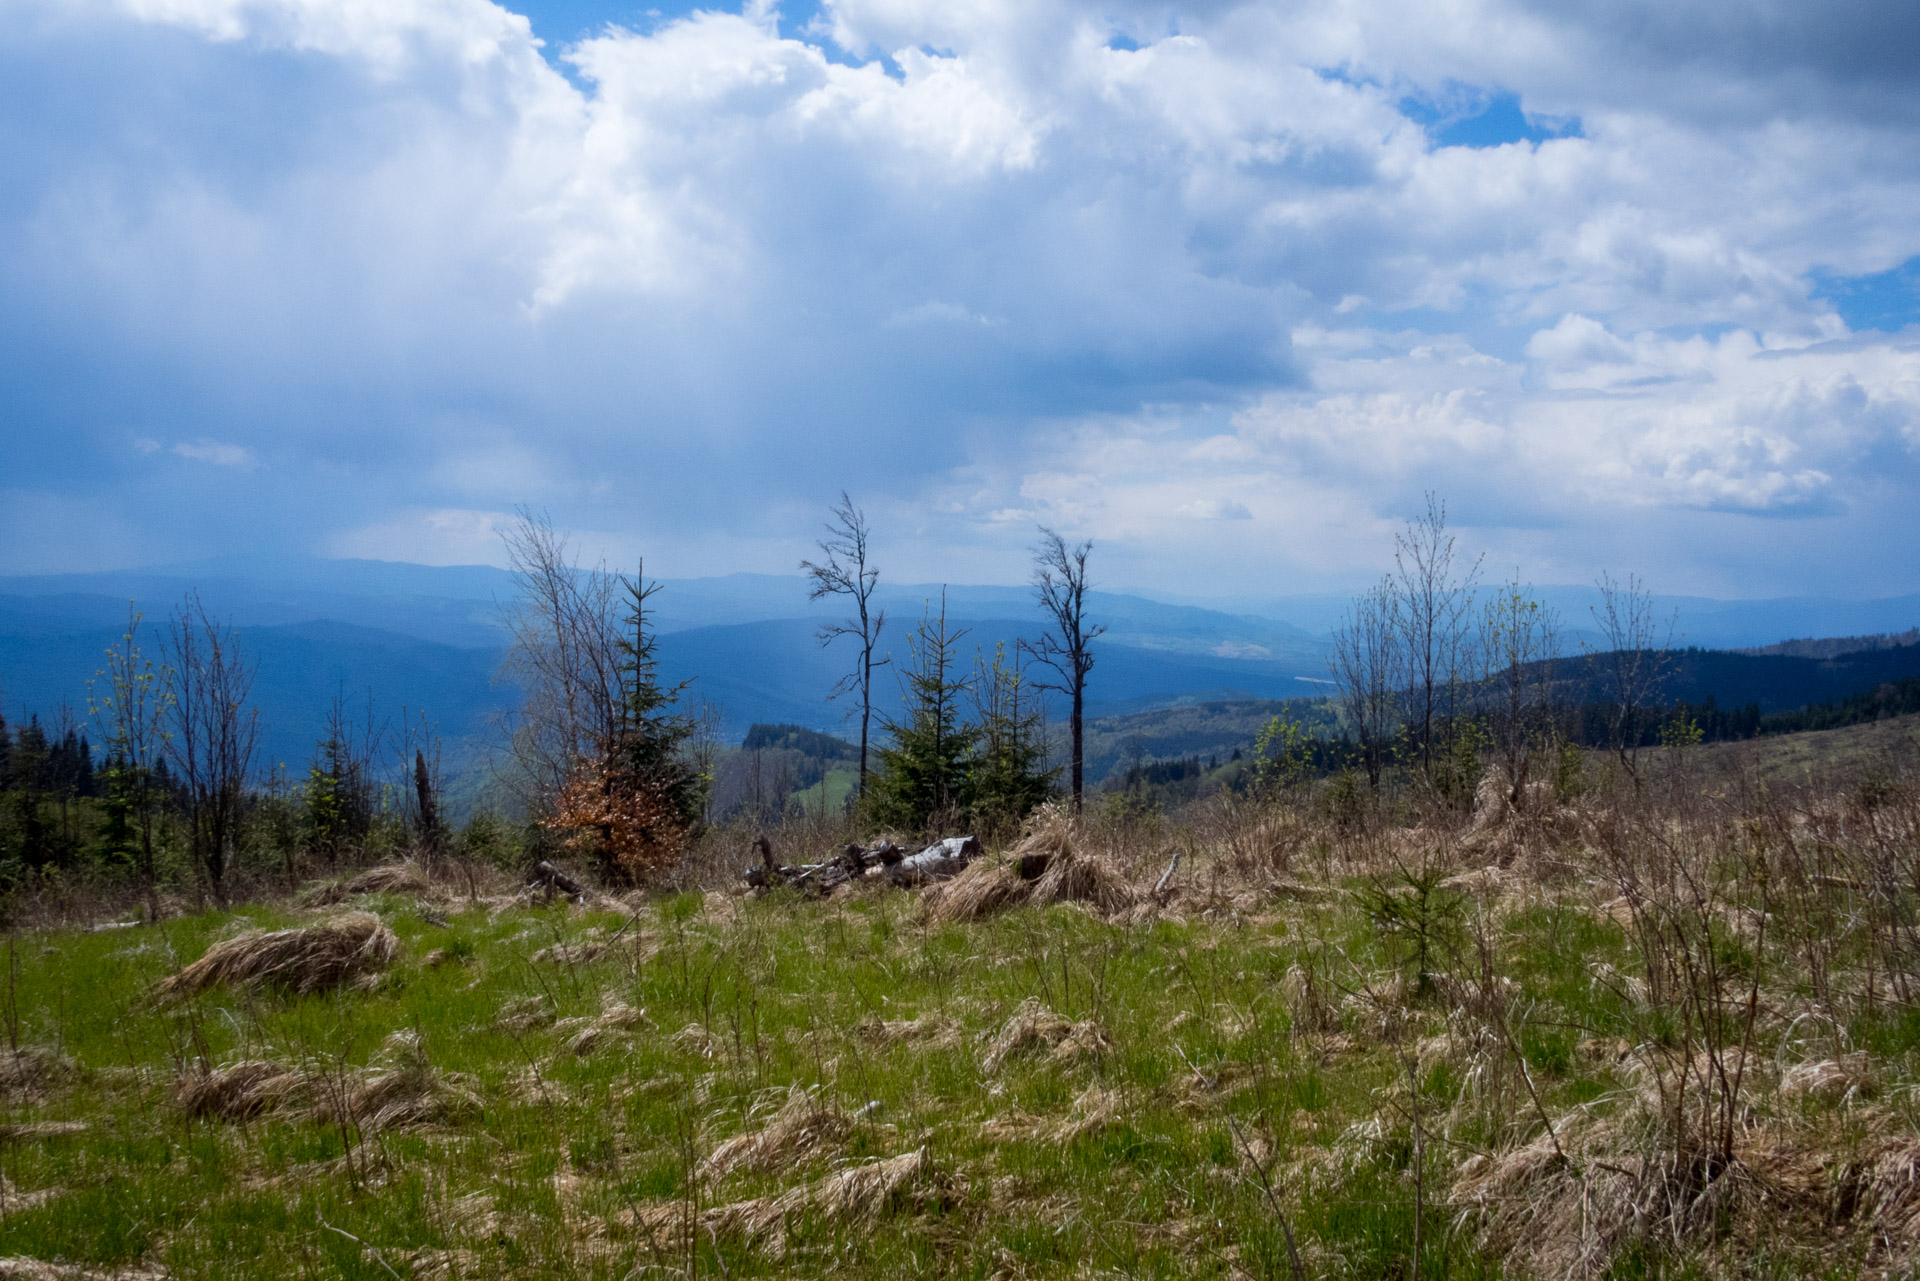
(306, 959)
(1066, 873)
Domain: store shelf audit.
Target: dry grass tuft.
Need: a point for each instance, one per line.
(805, 1127)
(32, 1069)
(931, 1030)
(407, 1091)
(1571, 1203)
(308, 959)
(617, 1017)
(1082, 878)
(857, 1194)
(874, 1189)
(404, 1090)
(240, 1091)
(1829, 1080)
(1034, 1026)
(695, 1039)
(517, 1018)
(387, 878)
(1093, 1111)
(570, 953)
(26, 1131)
(20, 1268)
(1067, 875)
(983, 888)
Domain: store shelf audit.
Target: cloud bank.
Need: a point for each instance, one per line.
(1225, 286)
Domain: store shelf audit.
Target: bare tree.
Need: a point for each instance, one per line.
(212, 735)
(566, 656)
(845, 571)
(1635, 664)
(1369, 672)
(1519, 640)
(1060, 579)
(1436, 627)
(602, 751)
(130, 706)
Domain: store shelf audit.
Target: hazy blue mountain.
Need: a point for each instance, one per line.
(430, 638)
(769, 671)
(46, 659)
(1696, 620)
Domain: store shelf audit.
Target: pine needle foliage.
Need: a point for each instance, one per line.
(925, 775)
(1010, 776)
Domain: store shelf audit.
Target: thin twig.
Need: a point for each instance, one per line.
(377, 1256)
(1266, 1185)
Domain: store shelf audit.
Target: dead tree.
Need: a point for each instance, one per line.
(1436, 630)
(212, 733)
(845, 571)
(1369, 673)
(1635, 664)
(1519, 641)
(1060, 579)
(566, 654)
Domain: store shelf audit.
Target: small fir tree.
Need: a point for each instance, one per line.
(638, 804)
(1010, 776)
(924, 776)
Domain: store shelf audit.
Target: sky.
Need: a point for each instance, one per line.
(1633, 285)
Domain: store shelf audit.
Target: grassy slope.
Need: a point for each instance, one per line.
(1269, 1025)
(779, 993)
(1793, 759)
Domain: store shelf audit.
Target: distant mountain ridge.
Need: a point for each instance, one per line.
(1834, 646)
(431, 639)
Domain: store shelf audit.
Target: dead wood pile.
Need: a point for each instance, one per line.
(883, 860)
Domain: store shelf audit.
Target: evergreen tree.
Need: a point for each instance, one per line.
(924, 777)
(1009, 776)
(651, 746)
(29, 765)
(338, 795)
(127, 699)
(6, 754)
(639, 799)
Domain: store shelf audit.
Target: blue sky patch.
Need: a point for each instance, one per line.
(562, 22)
(1470, 117)
(1885, 300)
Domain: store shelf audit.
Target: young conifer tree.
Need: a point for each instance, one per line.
(128, 698)
(923, 780)
(644, 793)
(1010, 775)
(651, 749)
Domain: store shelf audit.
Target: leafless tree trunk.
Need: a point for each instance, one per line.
(1636, 662)
(845, 571)
(1436, 626)
(213, 733)
(566, 655)
(1060, 579)
(1369, 672)
(1519, 640)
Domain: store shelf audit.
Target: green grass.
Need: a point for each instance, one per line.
(1211, 1057)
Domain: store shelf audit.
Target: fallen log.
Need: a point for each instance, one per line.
(547, 876)
(937, 862)
(898, 864)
